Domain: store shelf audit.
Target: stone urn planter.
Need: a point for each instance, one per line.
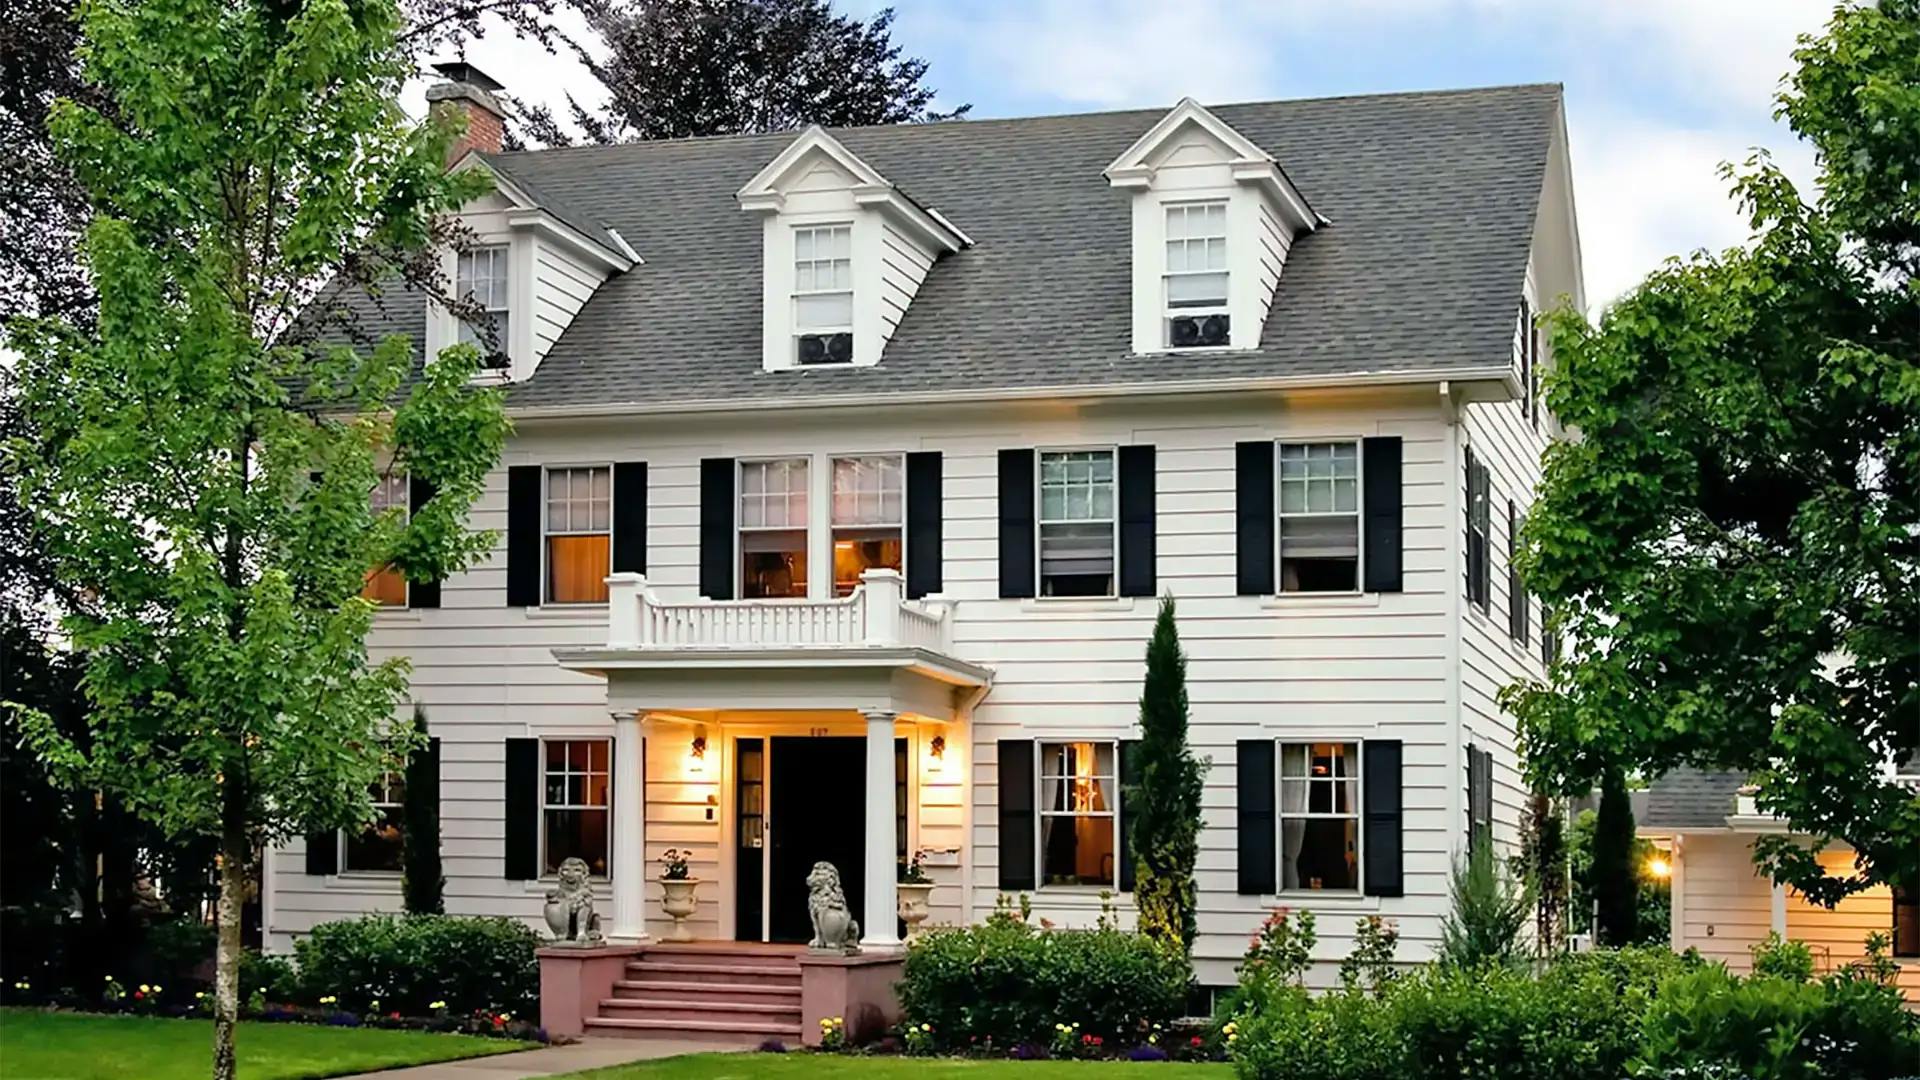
(913, 906)
(678, 901)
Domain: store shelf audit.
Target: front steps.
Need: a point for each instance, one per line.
(735, 994)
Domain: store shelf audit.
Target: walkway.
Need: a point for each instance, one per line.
(551, 1060)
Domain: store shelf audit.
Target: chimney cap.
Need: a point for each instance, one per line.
(460, 71)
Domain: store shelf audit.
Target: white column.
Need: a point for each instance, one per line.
(626, 604)
(629, 830)
(882, 911)
(1778, 910)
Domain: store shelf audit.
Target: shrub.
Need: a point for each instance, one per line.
(406, 962)
(1782, 958)
(1370, 965)
(180, 946)
(1846, 1027)
(271, 976)
(1345, 1035)
(1008, 982)
(1489, 911)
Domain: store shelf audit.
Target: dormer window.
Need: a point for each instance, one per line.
(481, 275)
(823, 294)
(1196, 276)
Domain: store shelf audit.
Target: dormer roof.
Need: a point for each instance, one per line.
(767, 191)
(604, 240)
(1136, 165)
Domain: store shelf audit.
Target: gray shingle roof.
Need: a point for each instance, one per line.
(1690, 798)
(1431, 196)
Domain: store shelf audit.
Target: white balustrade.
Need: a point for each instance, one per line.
(875, 614)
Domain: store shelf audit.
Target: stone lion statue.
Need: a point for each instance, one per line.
(569, 908)
(833, 925)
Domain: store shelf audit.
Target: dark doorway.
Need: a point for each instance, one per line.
(818, 814)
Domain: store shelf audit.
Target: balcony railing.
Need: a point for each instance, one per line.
(876, 614)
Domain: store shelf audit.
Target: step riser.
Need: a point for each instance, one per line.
(719, 958)
(714, 994)
(642, 973)
(609, 1029)
(644, 1010)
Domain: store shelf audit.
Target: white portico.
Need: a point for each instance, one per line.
(788, 731)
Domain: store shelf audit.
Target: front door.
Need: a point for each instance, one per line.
(817, 789)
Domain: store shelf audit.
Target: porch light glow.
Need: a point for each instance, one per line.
(697, 754)
(937, 749)
(1659, 867)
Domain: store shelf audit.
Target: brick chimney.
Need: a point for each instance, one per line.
(468, 92)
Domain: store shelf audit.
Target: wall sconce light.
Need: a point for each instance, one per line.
(937, 748)
(697, 754)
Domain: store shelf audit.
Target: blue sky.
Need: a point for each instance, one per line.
(1658, 92)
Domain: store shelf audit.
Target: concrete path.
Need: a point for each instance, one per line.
(551, 1060)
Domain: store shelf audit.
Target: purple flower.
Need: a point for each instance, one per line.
(1143, 1052)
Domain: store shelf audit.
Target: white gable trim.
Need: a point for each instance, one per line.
(765, 193)
(528, 213)
(1134, 168)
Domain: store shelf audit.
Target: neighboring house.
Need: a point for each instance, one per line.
(848, 466)
(1723, 906)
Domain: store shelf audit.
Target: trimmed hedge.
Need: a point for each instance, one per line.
(408, 962)
(1005, 983)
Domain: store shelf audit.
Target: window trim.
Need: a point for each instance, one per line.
(1041, 813)
(502, 251)
(1481, 583)
(795, 293)
(1359, 517)
(1040, 522)
(541, 805)
(740, 530)
(406, 510)
(1225, 307)
(341, 836)
(546, 533)
(834, 458)
(1358, 816)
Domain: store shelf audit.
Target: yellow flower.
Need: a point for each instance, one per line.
(156, 988)
(926, 1027)
(436, 1004)
(825, 1023)
(1231, 1027)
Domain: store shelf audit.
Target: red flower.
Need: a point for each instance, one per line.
(1196, 1041)
(137, 995)
(1097, 1040)
(395, 1015)
(1086, 1038)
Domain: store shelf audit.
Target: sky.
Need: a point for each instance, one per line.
(1658, 92)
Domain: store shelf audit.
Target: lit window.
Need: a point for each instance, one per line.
(1319, 517)
(579, 520)
(1196, 279)
(379, 846)
(869, 505)
(823, 294)
(482, 275)
(1076, 523)
(773, 528)
(1906, 922)
(385, 585)
(574, 804)
(1079, 830)
(1320, 816)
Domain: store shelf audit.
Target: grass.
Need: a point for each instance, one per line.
(812, 1066)
(36, 1045)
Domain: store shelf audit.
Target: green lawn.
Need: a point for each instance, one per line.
(37, 1045)
(811, 1066)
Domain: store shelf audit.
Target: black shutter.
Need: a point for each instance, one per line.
(323, 852)
(1381, 511)
(925, 511)
(1479, 796)
(1380, 792)
(523, 536)
(1016, 524)
(523, 810)
(630, 517)
(421, 594)
(1256, 824)
(1137, 545)
(1129, 776)
(1016, 814)
(1253, 516)
(1516, 590)
(716, 528)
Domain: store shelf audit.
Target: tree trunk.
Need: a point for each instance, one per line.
(235, 855)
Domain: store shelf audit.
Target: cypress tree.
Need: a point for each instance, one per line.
(1616, 881)
(422, 884)
(1163, 830)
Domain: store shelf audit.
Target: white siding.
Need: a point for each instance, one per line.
(903, 266)
(563, 282)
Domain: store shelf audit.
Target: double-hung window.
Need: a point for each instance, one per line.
(481, 275)
(385, 585)
(579, 534)
(1196, 276)
(1479, 524)
(1319, 525)
(1077, 523)
(823, 294)
(1319, 816)
(379, 847)
(1079, 827)
(575, 803)
(869, 511)
(773, 528)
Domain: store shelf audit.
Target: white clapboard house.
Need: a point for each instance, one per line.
(849, 465)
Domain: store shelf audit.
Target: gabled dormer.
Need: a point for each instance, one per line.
(845, 252)
(1213, 219)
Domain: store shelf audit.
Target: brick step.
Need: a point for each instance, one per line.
(722, 954)
(742, 1033)
(732, 1012)
(651, 971)
(664, 990)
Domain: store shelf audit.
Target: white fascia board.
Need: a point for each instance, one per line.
(931, 229)
(766, 181)
(541, 221)
(1186, 111)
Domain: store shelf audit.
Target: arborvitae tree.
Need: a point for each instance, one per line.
(1616, 881)
(422, 884)
(1163, 828)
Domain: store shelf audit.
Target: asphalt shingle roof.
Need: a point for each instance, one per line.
(1690, 798)
(1431, 197)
